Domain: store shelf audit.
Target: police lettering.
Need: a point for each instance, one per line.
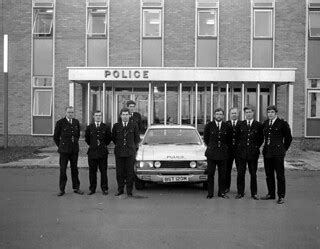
(126, 74)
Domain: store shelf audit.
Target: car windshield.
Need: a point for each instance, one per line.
(171, 136)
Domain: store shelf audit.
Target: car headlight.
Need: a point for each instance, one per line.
(145, 164)
(202, 164)
(157, 164)
(193, 164)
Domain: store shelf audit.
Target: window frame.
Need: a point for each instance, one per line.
(34, 102)
(270, 27)
(144, 10)
(38, 12)
(34, 78)
(90, 17)
(309, 23)
(215, 25)
(309, 92)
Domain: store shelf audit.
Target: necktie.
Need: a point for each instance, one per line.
(98, 125)
(248, 124)
(70, 121)
(233, 124)
(219, 125)
(270, 123)
(125, 124)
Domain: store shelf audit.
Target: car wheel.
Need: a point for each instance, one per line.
(139, 184)
(205, 185)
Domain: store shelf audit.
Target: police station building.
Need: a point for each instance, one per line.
(177, 59)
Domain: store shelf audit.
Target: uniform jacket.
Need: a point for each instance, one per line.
(233, 146)
(126, 139)
(66, 135)
(249, 140)
(217, 141)
(136, 117)
(277, 138)
(98, 140)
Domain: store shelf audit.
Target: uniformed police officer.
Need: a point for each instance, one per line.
(135, 116)
(277, 140)
(217, 136)
(66, 137)
(250, 139)
(125, 136)
(234, 123)
(98, 136)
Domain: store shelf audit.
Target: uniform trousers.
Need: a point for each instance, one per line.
(94, 164)
(272, 165)
(231, 158)
(241, 169)
(125, 173)
(63, 161)
(222, 166)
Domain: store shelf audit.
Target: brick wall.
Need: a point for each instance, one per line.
(234, 33)
(179, 33)
(17, 24)
(290, 52)
(124, 33)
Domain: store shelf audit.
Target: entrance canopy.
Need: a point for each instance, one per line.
(277, 75)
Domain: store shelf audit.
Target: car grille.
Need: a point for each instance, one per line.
(175, 164)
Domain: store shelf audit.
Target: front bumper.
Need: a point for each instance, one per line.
(176, 175)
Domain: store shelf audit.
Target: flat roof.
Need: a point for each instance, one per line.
(221, 74)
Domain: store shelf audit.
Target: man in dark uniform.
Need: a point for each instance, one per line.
(66, 137)
(234, 123)
(135, 116)
(125, 136)
(250, 138)
(98, 136)
(217, 136)
(277, 140)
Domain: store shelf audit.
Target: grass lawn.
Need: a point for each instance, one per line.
(12, 154)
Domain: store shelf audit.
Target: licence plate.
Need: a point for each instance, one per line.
(175, 179)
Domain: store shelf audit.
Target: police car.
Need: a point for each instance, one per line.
(171, 154)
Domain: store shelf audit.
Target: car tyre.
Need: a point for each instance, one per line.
(139, 184)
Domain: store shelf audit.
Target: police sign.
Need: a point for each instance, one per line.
(126, 74)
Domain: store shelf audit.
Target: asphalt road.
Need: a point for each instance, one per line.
(174, 217)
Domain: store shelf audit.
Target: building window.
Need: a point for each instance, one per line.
(262, 23)
(314, 24)
(43, 22)
(151, 23)
(42, 102)
(207, 23)
(97, 22)
(42, 82)
(314, 104)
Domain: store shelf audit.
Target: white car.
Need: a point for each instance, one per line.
(171, 153)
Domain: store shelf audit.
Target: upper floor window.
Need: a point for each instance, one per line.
(97, 22)
(152, 23)
(207, 23)
(314, 23)
(43, 22)
(262, 23)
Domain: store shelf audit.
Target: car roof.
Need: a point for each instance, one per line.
(174, 126)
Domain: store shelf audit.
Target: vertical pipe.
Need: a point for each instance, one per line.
(165, 103)
(180, 104)
(5, 91)
(242, 100)
(104, 102)
(196, 107)
(258, 102)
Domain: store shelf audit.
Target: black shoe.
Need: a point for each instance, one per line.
(209, 196)
(239, 196)
(91, 192)
(61, 193)
(224, 196)
(119, 193)
(227, 191)
(268, 197)
(78, 191)
(280, 200)
(105, 192)
(129, 194)
(255, 197)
